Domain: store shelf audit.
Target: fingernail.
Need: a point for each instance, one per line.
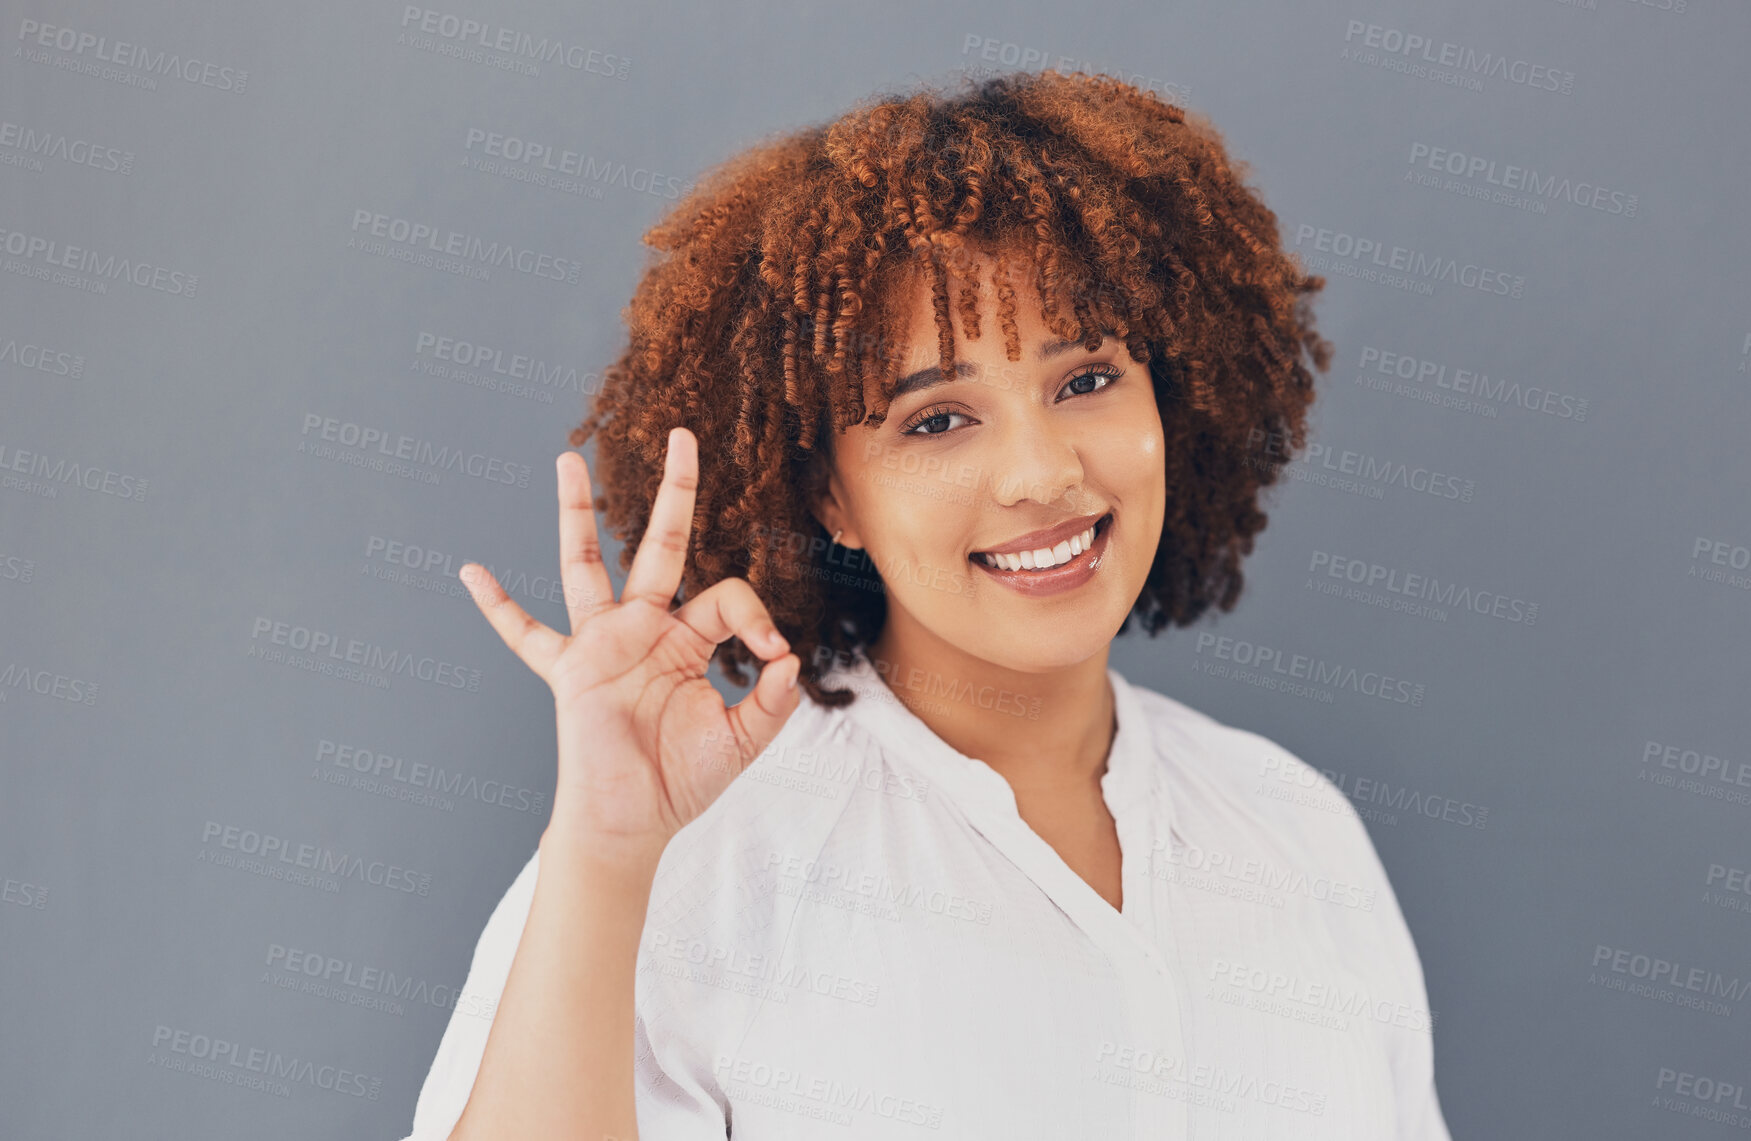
(791, 684)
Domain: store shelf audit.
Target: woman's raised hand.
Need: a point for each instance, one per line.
(645, 741)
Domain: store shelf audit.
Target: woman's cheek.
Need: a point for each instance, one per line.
(1128, 457)
(1142, 426)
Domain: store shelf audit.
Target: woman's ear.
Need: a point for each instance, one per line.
(829, 511)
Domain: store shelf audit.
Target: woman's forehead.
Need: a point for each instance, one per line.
(908, 295)
(964, 264)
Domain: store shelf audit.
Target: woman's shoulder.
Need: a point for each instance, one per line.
(1224, 748)
(805, 772)
(706, 903)
(788, 800)
(1206, 757)
(1248, 806)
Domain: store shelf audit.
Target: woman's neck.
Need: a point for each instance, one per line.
(1043, 731)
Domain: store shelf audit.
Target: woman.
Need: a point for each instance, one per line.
(977, 885)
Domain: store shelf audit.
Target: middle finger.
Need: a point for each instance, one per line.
(662, 550)
(582, 576)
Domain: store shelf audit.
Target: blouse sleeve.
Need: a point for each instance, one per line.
(668, 1110)
(1420, 1117)
(1413, 1049)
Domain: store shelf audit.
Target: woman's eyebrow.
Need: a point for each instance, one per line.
(929, 377)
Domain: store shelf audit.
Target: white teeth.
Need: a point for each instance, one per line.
(1043, 558)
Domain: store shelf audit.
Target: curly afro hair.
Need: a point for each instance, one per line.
(772, 303)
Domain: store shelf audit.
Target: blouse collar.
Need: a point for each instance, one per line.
(1131, 783)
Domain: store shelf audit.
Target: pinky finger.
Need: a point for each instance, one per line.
(536, 644)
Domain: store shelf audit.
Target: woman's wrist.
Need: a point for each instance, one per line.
(571, 837)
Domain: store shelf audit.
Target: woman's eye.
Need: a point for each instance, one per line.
(1104, 373)
(914, 428)
(1107, 373)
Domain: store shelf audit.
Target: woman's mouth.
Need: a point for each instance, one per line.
(1049, 570)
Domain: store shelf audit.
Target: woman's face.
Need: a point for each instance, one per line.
(1060, 440)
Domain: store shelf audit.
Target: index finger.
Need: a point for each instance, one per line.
(662, 549)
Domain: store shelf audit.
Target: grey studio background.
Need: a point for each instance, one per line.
(248, 423)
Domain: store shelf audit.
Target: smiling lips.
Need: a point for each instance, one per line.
(1043, 557)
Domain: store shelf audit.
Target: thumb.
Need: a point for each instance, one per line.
(759, 716)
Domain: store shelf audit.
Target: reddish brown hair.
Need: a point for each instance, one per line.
(772, 306)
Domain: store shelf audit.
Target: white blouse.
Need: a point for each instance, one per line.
(861, 938)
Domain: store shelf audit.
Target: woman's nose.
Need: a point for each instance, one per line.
(1036, 459)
